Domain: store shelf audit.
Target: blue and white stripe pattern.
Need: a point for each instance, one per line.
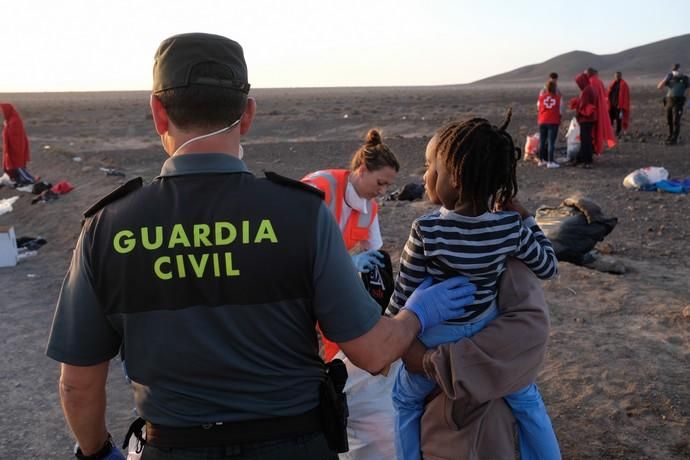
(446, 244)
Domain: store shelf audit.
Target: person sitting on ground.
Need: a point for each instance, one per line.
(549, 120)
(471, 172)
(619, 103)
(15, 147)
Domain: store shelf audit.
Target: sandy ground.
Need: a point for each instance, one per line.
(617, 372)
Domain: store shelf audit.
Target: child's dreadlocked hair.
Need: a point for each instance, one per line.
(482, 159)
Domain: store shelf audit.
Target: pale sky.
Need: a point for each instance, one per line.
(94, 45)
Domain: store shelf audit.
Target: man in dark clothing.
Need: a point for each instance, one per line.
(619, 103)
(677, 85)
(215, 300)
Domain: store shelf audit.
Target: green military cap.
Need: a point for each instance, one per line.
(178, 55)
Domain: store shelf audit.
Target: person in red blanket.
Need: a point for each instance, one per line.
(15, 146)
(602, 134)
(619, 103)
(592, 115)
(585, 106)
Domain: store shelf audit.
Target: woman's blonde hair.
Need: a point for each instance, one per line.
(374, 154)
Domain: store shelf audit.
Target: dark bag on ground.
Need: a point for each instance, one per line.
(334, 410)
(409, 192)
(379, 282)
(574, 227)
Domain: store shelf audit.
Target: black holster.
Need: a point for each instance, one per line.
(334, 410)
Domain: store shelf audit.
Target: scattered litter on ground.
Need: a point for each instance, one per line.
(655, 178)
(62, 187)
(40, 187)
(6, 204)
(25, 188)
(112, 172)
(31, 243)
(45, 196)
(669, 186)
(645, 176)
(24, 254)
(5, 180)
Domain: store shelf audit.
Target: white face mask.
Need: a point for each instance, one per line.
(204, 136)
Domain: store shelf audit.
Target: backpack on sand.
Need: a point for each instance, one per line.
(379, 281)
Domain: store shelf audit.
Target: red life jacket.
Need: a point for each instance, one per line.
(549, 109)
(333, 182)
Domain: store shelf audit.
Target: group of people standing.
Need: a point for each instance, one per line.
(469, 230)
(596, 110)
(216, 302)
(599, 111)
(213, 283)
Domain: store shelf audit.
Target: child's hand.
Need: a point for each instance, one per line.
(514, 205)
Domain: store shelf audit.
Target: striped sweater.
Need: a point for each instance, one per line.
(446, 244)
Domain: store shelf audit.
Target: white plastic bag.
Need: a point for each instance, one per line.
(5, 180)
(6, 204)
(372, 416)
(572, 139)
(135, 449)
(645, 176)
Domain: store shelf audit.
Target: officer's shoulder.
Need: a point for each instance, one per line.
(120, 192)
(292, 183)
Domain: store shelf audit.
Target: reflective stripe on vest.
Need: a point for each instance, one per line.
(333, 182)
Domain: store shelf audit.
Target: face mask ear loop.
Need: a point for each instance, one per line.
(204, 136)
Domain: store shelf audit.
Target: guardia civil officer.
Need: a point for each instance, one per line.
(676, 84)
(210, 282)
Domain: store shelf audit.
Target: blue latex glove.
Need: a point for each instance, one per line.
(114, 454)
(440, 302)
(365, 261)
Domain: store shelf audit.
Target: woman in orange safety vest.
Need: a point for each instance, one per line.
(351, 195)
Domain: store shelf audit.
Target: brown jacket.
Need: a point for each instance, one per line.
(468, 419)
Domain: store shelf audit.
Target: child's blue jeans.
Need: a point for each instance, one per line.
(536, 436)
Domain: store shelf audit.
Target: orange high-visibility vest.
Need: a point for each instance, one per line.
(333, 182)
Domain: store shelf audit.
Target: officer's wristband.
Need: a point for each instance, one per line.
(105, 450)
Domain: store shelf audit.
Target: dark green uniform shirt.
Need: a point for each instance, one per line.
(210, 282)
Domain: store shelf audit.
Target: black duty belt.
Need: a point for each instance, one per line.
(227, 433)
